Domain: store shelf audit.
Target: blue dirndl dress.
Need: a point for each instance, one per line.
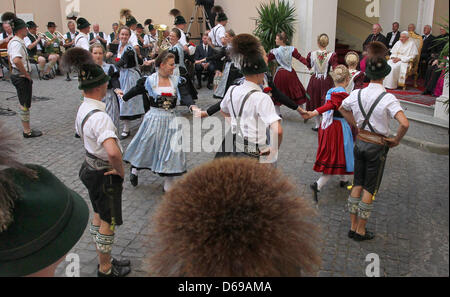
(152, 146)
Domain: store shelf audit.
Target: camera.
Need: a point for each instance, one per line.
(204, 2)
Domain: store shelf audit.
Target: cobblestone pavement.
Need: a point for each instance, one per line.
(411, 216)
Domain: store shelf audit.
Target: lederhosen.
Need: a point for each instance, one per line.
(23, 85)
(105, 192)
(242, 147)
(370, 152)
(102, 35)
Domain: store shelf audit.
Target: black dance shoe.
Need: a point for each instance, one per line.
(32, 134)
(134, 180)
(120, 263)
(344, 184)
(315, 129)
(209, 86)
(116, 271)
(315, 189)
(351, 234)
(77, 136)
(368, 236)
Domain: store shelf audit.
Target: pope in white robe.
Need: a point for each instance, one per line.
(404, 51)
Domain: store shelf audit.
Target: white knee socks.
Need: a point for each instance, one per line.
(126, 126)
(168, 182)
(323, 181)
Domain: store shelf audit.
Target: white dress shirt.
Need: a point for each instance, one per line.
(258, 114)
(18, 49)
(28, 42)
(216, 35)
(133, 39)
(386, 110)
(98, 128)
(82, 41)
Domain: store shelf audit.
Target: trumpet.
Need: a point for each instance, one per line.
(59, 35)
(43, 36)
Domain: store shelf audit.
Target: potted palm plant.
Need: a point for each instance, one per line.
(274, 17)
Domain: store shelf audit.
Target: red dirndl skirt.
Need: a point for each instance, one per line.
(289, 84)
(317, 90)
(330, 157)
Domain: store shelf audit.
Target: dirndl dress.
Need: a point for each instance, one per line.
(154, 145)
(111, 100)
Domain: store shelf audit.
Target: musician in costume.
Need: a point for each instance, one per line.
(52, 46)
(151, 40)
(180, 25)
(69, 41)
(371, 110)
(151, 147)
(133, 40)
(82, 39)
(102, 170)
(128, 63)
(217, 34)
(111, 100)
(5, 37)
(321, 62)
(35, 47)
(177, 50)
(356, 77)
(97, 37)
(113, 41)
(141, 40)
(286, 78)
(20, 76)
(335, 152)
(251, 111)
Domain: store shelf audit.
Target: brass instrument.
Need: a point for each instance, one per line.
(60, 35)
(163, 43)
(43, 36)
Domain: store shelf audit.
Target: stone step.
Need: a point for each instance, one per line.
(417, 108)
(426, 119)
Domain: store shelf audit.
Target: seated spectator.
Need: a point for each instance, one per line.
(375, 36)
(204, 50)
(394, 36)
(432, 74)
(402, 53)
(428, 40)
(214, 223)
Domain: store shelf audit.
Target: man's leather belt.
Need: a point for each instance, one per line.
(96, 163)
(370, 137)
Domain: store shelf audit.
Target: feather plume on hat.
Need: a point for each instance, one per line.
(124, 13)
(245, 47)
(76, 57)
(234, 218)
(174, 12)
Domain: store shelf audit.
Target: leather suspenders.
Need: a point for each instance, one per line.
(372, 108)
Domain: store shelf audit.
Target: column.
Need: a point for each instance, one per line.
(314, 17)
(425, 15)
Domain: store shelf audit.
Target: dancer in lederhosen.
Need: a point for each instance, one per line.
(111, 100)
(151, 148)
(320, 62)
(335, 152)
(129, 75)
(286, 78)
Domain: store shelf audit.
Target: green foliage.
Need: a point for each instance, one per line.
(274, 17)
(444, 58)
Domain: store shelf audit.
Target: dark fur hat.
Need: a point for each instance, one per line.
(233, 218)
(76, 57)
(8, 17)
(217, 9)
(377, 49)
(174, 12)
(8, 191)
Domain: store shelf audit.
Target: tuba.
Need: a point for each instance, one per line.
(163, 44)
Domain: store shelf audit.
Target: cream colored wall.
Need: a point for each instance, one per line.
(43, 11)
(440, 11)
(409, 14)
(240, 14)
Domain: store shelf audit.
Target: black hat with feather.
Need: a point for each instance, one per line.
(90, 75)
(247, 52)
